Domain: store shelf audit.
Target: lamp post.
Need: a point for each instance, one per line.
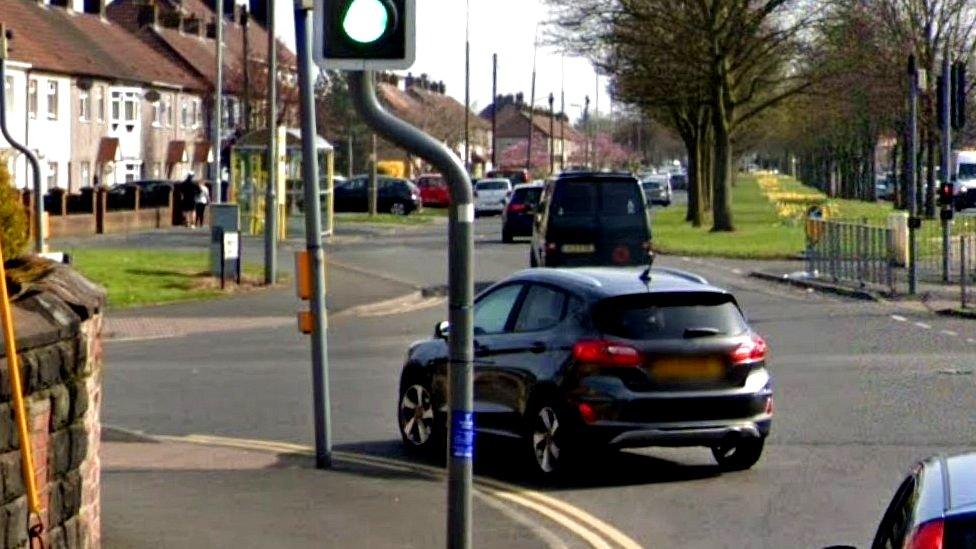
(552, 135)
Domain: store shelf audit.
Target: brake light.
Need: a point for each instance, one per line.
(752, 350)
(928, 536)
(606, 353)
(517, 208)
(621, 255)
(587, 412)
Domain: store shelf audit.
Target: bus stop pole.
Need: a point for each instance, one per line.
(271, 194)
(460, 456)
(313, 236)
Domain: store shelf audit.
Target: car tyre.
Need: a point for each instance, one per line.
(738, 455)
(398, 208)
(417, 419)
(548, 439)
(507, 237)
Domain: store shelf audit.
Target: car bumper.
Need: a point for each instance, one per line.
(518, 225)
(489, 207)
(627, 419)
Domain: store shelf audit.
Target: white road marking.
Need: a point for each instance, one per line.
(923, 325)
(950, 333)
(970, 340)
(899, 318)
(737, 271)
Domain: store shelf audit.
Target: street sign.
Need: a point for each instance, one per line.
(365, 34)
(232, 245)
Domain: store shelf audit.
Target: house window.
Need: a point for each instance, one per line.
(100, 103)
(158, 114)
(8, 90)
(168, 111)
(184, 114)
(197, 114)
(84, 106)
(52, 175)
(52, 99)
(131, 171)
(125, 108)
(85, 173)
(32, 98)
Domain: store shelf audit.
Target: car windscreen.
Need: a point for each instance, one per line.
(595, 199)
(492, 186)
(967, 171)
(651, 185)
(674, 315)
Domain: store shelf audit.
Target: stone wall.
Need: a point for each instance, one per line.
(58, 320)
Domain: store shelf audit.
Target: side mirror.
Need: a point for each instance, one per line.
(442, 330)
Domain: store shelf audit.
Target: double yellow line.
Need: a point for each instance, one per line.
(592, 530)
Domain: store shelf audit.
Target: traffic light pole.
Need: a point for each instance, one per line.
(313, 236)
(946, 214)
(914, 222)
(460, 301)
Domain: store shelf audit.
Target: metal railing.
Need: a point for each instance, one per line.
(847, 251)
(939, 257)
(967, 271)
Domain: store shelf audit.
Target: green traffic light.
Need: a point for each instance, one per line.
(366, 21)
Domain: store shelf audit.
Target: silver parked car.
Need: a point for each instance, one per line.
(657, 188)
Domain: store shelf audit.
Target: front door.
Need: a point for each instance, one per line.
(494, 317)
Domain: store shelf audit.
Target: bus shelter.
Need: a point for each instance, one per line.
(249, 178)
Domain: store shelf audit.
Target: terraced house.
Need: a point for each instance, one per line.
(96, 104)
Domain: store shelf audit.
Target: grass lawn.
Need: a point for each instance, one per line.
(135, 277)
(764, 229)
(423, 217)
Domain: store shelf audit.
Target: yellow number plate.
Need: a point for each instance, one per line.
(687, 369)
(578, 248)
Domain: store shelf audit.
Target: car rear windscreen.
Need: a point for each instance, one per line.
(492, 186)
(669, 316)
(526, 196)
(595, 199)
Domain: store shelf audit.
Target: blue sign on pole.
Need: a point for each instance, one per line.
(462, 441)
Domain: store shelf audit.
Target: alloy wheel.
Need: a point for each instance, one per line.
(545, 431)
(416, 415)
(398, 209)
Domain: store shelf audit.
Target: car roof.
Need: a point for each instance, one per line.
(961, 472)
(605, 282)
(532, 185)
(495, 180)
(597, 176)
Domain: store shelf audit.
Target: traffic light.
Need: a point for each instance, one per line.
(945, 194)
(365, 34)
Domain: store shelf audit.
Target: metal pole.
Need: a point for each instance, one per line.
(946, 152)
(528, 154)
(552, 134)
(372, 180)
(271, 193)
(349, 164)
(40, 239)
(313, 236)
(460, 301)
(911, 153)
(962, 269)
(467, 86)
(218, 102)
(494, 111)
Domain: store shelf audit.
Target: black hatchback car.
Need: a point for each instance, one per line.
(519, 211)
(395, 196)
(574, 359)
(591, 219)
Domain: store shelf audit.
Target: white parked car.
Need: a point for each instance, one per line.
(490, 195)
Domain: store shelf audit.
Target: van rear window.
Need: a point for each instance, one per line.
(589, 198)
(669, 316)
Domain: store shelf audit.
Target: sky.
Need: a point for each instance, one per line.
(505, 27)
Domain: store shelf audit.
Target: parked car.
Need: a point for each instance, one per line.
(933, 508)
(490, 195)
(395, 196)
(519, 211)
(679, 181)
(591, 219)
(433, 190)
(574, 359)
(657, 189)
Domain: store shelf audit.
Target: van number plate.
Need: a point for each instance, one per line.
(578, 248)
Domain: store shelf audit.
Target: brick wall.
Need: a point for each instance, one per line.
(57, 315)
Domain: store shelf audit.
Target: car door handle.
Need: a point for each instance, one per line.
(538, 347)
(480, 350)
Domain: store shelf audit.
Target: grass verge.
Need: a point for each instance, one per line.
(135, 278)
(417, 218)
(764, 229)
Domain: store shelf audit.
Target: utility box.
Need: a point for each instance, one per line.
(224, 218)
(898, 223)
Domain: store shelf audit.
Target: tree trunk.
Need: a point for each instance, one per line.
(694, 182)
(722, 176)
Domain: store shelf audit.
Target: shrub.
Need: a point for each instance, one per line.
(13, 217)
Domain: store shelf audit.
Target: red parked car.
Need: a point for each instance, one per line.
(433, 190)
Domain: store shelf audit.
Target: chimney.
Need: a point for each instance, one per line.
(191, 26)
(408, 83)
(95, 7)
(259, 11)
(519, 99)
(148, 15)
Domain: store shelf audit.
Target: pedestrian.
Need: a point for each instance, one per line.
(201, 200)
(188, 192)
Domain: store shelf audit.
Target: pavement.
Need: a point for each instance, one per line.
(864, 389)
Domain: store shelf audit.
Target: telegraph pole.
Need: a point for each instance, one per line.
(218, 102)
(914, 222)
(467, 86)
(552, 134)
(494, 110)
(271, 192)
(535, 54)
